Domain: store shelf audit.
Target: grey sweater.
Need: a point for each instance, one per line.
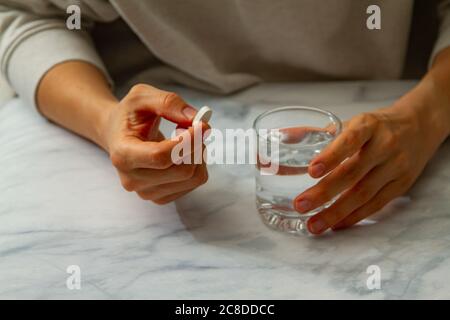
(215, 45)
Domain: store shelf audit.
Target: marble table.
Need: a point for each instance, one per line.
(61, 204)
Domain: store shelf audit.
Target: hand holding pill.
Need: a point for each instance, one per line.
(143, 156)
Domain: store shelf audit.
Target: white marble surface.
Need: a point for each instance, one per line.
(61, 204)
(5, 91)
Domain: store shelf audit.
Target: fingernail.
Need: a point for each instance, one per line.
(303, 206)
(189, 112)
(316, 226)
(318, 169)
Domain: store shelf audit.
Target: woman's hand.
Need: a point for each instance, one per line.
(140, 153)
(77, 96)
(376, 158)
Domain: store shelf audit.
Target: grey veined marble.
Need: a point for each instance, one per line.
(61, 204)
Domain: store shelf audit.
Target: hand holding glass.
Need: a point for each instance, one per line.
(288, 139)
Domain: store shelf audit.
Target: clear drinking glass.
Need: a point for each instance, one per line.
(288, 139)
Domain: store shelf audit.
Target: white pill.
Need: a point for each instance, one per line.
(203, 115)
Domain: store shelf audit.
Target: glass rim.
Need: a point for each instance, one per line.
(330, 115)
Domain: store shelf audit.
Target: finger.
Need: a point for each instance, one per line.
(383, 197)
(197, 156)
(140, 179)
(200, 177)
(297, 134)
(162, 103)
(134, 153)
(351, 199)
(195, 152)
(344, 176)
(160, 137)
(205, 127)
(359, 130)
(154, 133)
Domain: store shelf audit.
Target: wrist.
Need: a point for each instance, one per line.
(435, 108)
(428, 106)
(438, 81)
(102, 124)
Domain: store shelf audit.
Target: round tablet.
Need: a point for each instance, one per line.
(203, 115)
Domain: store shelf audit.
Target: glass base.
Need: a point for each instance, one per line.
(287, 223)
(281, 216)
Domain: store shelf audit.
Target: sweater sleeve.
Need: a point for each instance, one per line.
(443, 39)
(32, 43)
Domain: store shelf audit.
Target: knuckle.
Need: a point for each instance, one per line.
(391, 141)
(118, 158)
(351, 175)
(147, 195)
(351, 168)
(133, 99)
(349, 172)
(369, 119)
(169, 99)
(140, 88)
(128, 184)
(351, 137)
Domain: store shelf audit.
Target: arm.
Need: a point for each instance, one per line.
(34, 38)
(37, 49)
(77, 96)
(60, 72)
(386, 151)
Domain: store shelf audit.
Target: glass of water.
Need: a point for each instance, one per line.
(288, 138)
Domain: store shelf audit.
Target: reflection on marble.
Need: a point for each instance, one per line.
(61, 204)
